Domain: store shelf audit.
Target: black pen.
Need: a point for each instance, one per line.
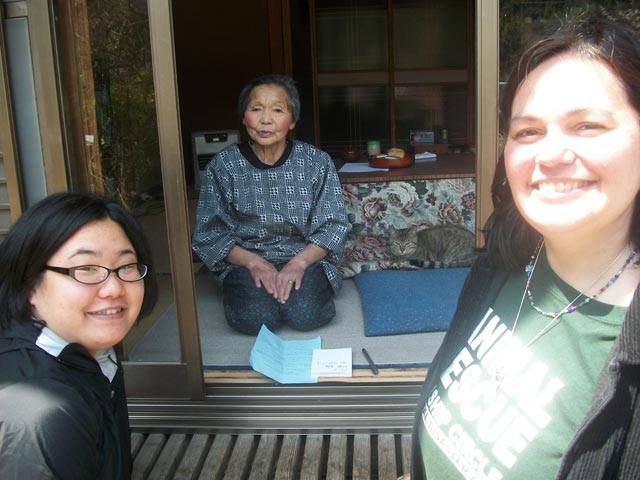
(372, 365)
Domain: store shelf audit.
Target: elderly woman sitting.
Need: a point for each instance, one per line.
(271, 221)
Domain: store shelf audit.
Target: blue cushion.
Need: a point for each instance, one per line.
(395, 302)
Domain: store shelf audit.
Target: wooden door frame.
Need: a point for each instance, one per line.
(38, 15)
(487, 62)
(8, 144)
(184, 379)
(45, 74)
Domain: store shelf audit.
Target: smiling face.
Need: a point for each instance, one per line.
(96, 316)
(268, 117)
(572, 156)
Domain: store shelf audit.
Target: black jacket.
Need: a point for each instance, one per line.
(607, 444)
(59, 417)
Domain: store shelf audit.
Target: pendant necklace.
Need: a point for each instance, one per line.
(570, 308)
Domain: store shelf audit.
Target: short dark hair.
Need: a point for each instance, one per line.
(283, 81)
(42, 230)
(595, 35)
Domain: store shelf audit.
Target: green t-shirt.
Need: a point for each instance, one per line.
(475, 426)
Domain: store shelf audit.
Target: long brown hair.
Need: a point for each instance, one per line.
(612, 41)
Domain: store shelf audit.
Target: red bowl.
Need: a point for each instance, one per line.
(386, 162)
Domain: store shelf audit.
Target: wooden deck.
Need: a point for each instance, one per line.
(249, 428)
(160, 456)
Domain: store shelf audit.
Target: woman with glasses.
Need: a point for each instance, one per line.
(75, 275)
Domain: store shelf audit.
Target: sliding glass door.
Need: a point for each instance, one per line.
(118, 85)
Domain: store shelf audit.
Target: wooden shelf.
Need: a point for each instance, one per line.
(451, 165)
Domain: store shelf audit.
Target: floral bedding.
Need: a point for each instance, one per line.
(374, 207)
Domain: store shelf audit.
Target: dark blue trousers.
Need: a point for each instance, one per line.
(247, 308)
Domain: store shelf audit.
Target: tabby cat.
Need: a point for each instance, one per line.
(443, 245)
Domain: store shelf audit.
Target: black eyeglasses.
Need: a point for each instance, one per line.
(93, 274)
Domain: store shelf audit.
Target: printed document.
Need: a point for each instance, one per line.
(285, 361)
(332, 362)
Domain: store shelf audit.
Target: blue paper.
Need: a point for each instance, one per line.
(285, 361)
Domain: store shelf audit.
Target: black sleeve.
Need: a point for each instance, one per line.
(47, 431)
(480, 289)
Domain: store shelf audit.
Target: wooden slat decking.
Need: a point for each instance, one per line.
(163, 456)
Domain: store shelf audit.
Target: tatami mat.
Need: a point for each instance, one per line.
(223, 348)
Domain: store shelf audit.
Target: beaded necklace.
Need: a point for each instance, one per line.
(501, 371)
(572, 308)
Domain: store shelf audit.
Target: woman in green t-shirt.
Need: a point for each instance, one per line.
(539, 374)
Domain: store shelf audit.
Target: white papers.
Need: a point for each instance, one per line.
(334, 362)
(360, 168)
(286, 361)
(425, 157)
(297, 361)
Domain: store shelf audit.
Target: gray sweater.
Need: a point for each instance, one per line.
(274, 211)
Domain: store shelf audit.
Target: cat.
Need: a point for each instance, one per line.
(448, 245)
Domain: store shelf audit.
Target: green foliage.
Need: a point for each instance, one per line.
(524, 21)
(125, 99)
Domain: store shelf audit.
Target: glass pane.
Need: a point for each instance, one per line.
(524, 21)
(351, 36)
(20, 72)
(431, 108)
(430, 34)
(352, 116)
(112, 53)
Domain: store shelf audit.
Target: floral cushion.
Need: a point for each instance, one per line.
(373, 208)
